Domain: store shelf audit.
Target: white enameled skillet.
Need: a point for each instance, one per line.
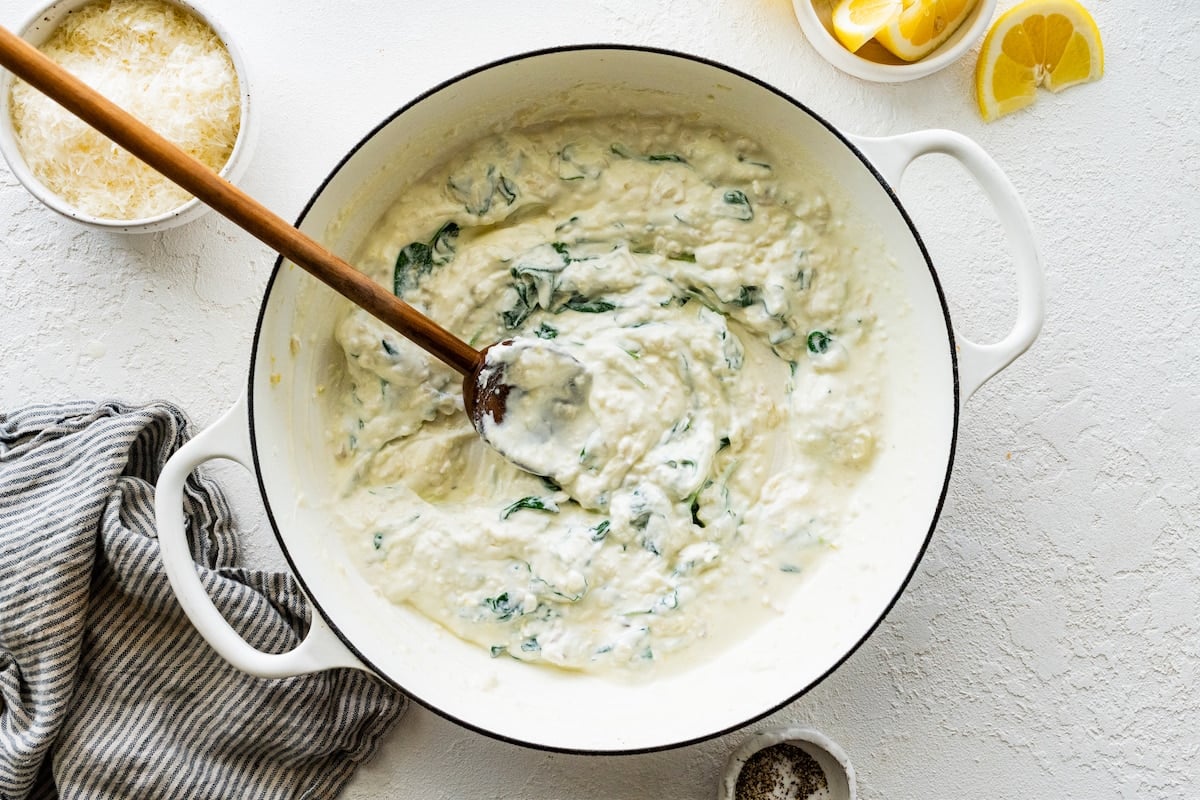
(276, 429)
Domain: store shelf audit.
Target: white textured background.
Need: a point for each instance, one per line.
(1049, 644)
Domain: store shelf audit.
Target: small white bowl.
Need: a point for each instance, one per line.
(36, 30)
(872, 62)
(839, 774)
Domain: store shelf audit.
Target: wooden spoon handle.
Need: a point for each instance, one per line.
(28, 63)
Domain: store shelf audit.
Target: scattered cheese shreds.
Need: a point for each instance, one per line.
(160, 63)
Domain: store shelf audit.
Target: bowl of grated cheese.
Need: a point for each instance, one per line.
(166, 62)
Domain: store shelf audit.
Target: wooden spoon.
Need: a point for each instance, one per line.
(481, 398)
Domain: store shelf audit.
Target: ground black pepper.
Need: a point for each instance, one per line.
(781, 772)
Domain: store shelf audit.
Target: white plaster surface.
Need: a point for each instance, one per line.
(1049, 644)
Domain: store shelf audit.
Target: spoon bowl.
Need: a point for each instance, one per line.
(529, 400)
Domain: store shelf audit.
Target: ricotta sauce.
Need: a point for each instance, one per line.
(725, 321)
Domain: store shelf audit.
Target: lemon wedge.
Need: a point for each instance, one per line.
(910, 29)
(855, 22)
(922, 26)
(1049, 43)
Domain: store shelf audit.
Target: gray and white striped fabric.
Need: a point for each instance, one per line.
(106, 689)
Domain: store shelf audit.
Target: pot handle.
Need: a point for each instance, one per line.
(228, 438)
(977, 362)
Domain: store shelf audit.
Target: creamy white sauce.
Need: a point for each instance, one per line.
(732, 350)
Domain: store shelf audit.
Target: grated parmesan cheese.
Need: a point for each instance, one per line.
(158, 61)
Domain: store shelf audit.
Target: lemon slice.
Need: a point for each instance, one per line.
(922, 26)
(855, 22)
(1050, 43)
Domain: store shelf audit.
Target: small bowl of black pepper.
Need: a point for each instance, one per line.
(788, 764)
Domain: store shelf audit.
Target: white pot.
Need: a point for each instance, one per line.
(276, 429)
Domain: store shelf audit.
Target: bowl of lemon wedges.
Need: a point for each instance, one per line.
(893, 40)
(1036, 44)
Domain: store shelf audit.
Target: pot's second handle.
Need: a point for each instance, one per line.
(227, 438)
(977, 362)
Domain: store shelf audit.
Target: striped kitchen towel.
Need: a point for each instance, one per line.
(106, 689)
